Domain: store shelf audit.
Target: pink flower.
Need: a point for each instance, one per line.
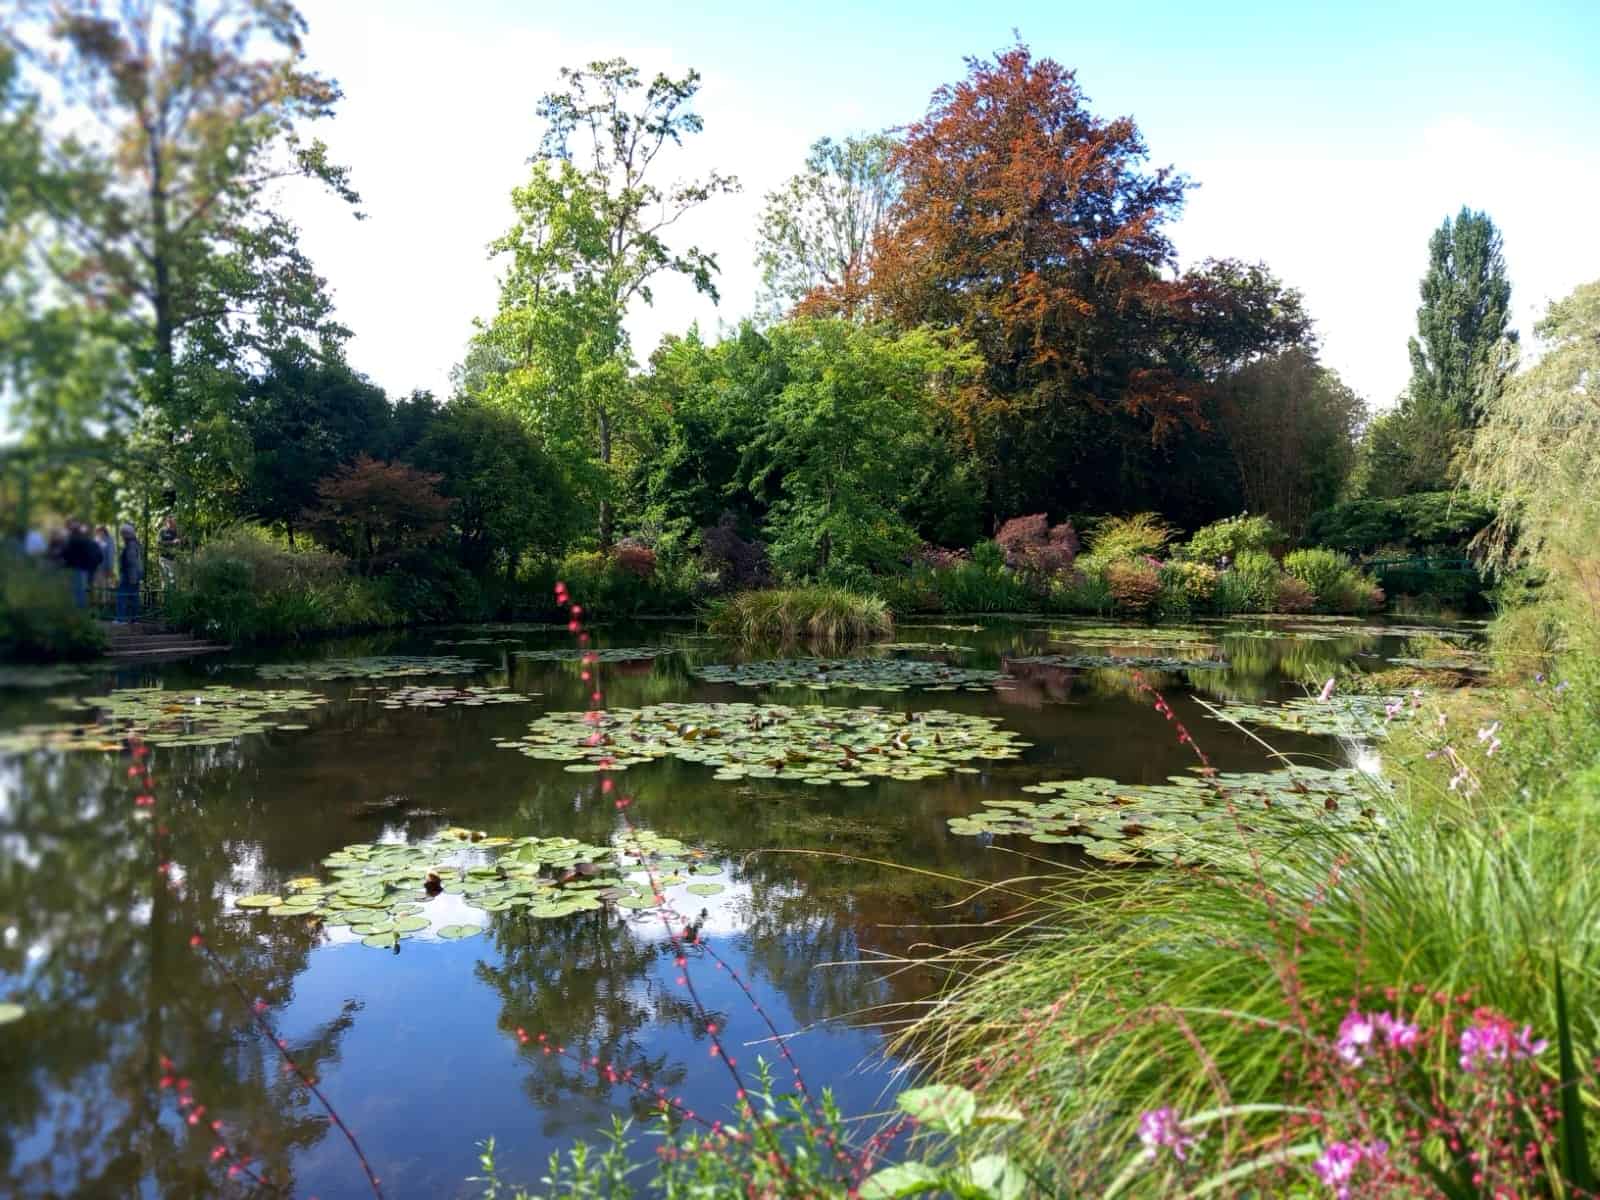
(1492, 1040)
(1489, 733)
(1355, 1037)
(1396, 1031)
(1338, 1162)
(1327, 691)
(1160, 1128)
(1359, 1031)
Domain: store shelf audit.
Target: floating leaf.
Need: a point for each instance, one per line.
(376, 666)
(1120, 662)
(863, 674)
(1353, 716)
(613, 654)
(259, 900)
(410, 924)
(704, 889)
(453, 932)
(820, 745)
(11, 1012)
(379, 941)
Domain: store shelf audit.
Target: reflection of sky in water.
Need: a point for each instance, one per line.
(418, 1048)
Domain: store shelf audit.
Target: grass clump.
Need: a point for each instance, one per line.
(820, 614)
(38, 621)
(1210, 1010)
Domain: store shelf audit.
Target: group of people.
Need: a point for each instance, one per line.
(96, 565)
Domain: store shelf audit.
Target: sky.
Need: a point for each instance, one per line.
(1327, 139)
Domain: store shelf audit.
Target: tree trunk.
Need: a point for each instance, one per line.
(605, 461)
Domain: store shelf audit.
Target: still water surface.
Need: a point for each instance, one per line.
(418, 1047)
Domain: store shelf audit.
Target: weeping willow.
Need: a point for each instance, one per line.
(1537, 455)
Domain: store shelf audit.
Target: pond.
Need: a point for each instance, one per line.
(779, 828)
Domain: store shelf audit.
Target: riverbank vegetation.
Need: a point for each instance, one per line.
(979, 380)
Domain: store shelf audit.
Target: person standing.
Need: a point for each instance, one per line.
(168, 541)
(130, 577)
(82, 557)
(105, 579)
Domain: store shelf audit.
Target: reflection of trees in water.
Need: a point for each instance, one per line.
(104, 967)
(598, 985)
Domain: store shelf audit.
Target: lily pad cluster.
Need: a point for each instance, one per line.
(866, 674)
(609, 655)
(385, 892)
(375, 666)
(1131, 635)
(1338, 716)
(845, 746)
(1187, 817)
(922, 648)
(1123, 662)
(210, 716)
(438, 696)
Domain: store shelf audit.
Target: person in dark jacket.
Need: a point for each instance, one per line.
(130, 576)
(81, 556)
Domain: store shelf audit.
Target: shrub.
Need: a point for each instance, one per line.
(245, 586)
(1254, 581)
(1428, 520)
(1085, 591)
(1197, 580)
(1134, 586)
(1142, 535)
(1032, 548)
(979, 587)
(1294, 595)
(634, 558)
(826, 615)
(1337, 586)
(737, 563)
(939, 558)
(1232, 536)
(38, 620)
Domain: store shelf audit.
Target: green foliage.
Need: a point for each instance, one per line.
(1232, 536)
(38, 620)
(511, 497)
(1334, 582)
(1425, 521)
(814, 243)
(1252, 584)
(1142, 535)
(608, 588)
(304, 421)
(827, 616)
(1475, 888)
(245, 586)
(1537, 455)
(848, 387)
(1291, 427)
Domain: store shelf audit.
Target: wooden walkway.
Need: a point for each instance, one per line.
(146, 640)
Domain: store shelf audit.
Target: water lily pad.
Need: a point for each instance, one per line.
(610, 654)
(862, 674)
(379, 941)
(425, 696)
(376, 666)
(1192, 818)
(209, 716)
(453, 932)
(819, 744)
(1121, 662)
(259, 900)
(410, 924)
(705, 889)
(11, 1012)
(1352, 716)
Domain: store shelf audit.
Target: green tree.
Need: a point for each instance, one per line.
(1463, 349)
(589, 239)
(510, 495)
(304, 419)
(1537, 453)
(814, 244)
(1460, 360)
(174, 118)
(849, 435)
(1292, 428)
